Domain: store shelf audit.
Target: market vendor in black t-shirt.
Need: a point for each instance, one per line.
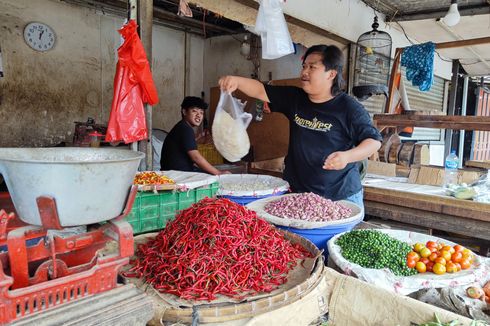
(330, 132)
(179, 150)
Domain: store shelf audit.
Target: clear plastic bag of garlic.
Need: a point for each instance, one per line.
(230, 128)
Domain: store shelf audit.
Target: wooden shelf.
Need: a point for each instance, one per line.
(433, 121)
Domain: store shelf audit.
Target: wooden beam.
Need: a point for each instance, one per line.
(433, 121)
(462, 43)
(295, 21)
(160, 16)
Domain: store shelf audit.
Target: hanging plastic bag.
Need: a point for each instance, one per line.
(273, 30)
(230, 128)
(133, 86)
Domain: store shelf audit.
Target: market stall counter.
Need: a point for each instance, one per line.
(427, 206)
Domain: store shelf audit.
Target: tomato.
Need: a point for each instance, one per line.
(449, 248)
(429, 266)
(458, 266)
(411, 263)
(451, 267)
(433, 249)
(418, 246)
(467, 252)
(420, 267)
(457, 257)
(413, 255)
(424, 260)
(439, 269)
(446, 255)
(431, 244)
(425, 252)
(440, 260)
(433, 256)
(458, 248)
(440, 245)
(465, 264)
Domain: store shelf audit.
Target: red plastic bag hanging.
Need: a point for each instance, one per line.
(133, 86)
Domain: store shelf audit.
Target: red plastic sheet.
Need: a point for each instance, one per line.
(133, 86)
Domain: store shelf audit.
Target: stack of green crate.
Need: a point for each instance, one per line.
(151, 211)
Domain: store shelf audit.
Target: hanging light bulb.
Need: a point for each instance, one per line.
(245, 47)
(452, 17)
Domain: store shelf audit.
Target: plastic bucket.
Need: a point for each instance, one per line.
(320, 236)
(244, 200)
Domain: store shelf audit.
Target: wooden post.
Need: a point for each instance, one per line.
(145, 23)
(351, 63)
(392, 86)
(133, 14)
(453, 92)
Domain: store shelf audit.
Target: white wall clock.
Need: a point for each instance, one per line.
(39, 36)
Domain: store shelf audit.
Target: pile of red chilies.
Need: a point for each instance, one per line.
(217, 247)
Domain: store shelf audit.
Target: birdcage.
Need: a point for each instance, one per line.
(372, 65)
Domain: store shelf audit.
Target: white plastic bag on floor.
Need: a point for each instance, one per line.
(230, 128)
(273, 30)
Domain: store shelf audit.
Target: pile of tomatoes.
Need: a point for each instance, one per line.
(438, 258)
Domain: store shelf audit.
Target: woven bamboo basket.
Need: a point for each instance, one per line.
(210, 153)
(209, 313)
(223, 312)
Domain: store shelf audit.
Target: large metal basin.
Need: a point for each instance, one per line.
(89, 185)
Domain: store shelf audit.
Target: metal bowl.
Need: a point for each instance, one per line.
(89, 185)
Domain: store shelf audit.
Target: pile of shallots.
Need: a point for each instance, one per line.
(308, 207)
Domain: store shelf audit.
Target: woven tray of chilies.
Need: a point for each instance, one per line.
(220, 252)
(301, 280)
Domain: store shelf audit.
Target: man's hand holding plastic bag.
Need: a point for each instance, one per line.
(230, 128)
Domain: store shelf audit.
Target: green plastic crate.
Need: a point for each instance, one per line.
(151, 211)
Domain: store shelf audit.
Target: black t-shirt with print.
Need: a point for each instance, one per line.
(317, 130)
(178, 142)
